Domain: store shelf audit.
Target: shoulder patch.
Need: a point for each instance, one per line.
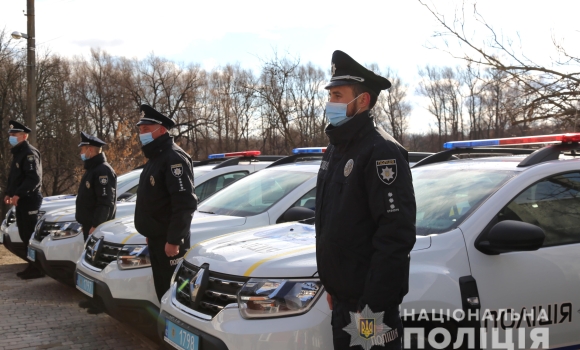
(30, 158)
(103, 180)
(177, 170)
(387, 170)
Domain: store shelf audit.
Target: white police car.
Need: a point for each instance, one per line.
(126, 187)
(497, 249)
(57, 242)
(115, 267)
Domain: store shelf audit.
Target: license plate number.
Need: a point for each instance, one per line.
(179, 338)
(85, 285)
(31, 255)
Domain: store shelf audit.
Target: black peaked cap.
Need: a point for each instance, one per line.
(90, 140)
(18, 127)
(149, 116)
(347, 71)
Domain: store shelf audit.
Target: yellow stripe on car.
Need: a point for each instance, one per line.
(129, 237)
(257, 264)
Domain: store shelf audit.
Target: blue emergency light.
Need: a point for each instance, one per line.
(514, 141)
(234, 154)
(310, 150)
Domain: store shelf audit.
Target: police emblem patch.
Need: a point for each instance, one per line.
(348, 167)
(103, 180)
(152, 180)
(177, 170)
(88, 184)
(30, 158)
(387, 170)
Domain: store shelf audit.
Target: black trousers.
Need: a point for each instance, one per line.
(341, 318)
(27, 216)
(86, 228)
(162, 265)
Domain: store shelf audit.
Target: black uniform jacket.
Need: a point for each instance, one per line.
(365, 216)
(25, 176)
(165, 197)
(97, 197)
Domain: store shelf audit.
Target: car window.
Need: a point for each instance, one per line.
(307, 201)
(552, 204)
(254, 194)
(445, 197)
(127, 178)
(215, 184)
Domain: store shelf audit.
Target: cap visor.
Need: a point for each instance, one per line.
(146, 122)
(340, 83)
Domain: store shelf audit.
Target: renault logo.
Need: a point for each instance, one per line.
(196, 283)
(95, 249)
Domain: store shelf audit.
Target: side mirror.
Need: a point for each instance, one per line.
(512, 236)
(123, 197)
(296, 214)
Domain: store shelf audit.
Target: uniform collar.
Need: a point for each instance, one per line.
(157, 146)
(19, 147)
(351, 130)
(94, 161)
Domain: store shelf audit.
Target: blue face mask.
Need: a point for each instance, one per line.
(83, 157)
(13, 140)
(336, 112)
(146, 138)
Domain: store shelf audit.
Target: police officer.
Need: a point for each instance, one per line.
(365, 211)
(97, 196)
(23, 190)
(165, 197)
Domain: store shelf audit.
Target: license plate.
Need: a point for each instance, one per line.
(85, 285)
(31, 255)
(179, 338)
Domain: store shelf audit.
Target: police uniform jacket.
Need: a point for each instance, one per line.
(97, 196)
(365, 216)
(25, 175)
(165, 197)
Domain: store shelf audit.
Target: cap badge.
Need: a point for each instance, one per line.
(333, 69)
(152, 180)
(11, 126)
(348, 167)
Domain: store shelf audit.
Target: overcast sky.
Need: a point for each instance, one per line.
(214, 33)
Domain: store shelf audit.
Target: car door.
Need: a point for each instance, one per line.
(534, 290)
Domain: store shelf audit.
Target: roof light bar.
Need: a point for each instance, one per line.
(312, 150)
(234, 154)
(526, 140)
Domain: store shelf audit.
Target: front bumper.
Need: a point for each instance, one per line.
(127, 295)
(228, 330)
(16, 248)
(57, 258)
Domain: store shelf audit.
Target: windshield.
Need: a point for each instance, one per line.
(254, 194)
(127, 178)
(446, 197)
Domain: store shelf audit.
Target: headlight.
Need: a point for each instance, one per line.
(133, 257)
(10, 217)
(63, 230)
(265, 298)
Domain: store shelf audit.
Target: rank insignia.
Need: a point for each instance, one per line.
(387, 170)
(177, 170)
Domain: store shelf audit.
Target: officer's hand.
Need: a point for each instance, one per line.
(6, 200)
(329, 300)
(171, 249)
(15, 200)
(91, 230)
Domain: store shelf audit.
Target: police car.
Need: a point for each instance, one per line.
(57, 242)
(126, 187)
(496, 256)
(115, 267)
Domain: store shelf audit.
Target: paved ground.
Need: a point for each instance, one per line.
(43, 314)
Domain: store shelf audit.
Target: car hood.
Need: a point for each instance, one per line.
(68, 213)
(48, 206)
(202, 227)
(280, 251)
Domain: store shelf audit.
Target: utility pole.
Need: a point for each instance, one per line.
(31, 72)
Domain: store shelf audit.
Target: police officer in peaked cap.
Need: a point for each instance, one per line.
(165, 197)
(23, 189)
(97, 196)
(365, 210)
(96, 200)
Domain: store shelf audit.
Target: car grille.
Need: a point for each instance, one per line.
(219, 291)
(45, 229)
(101, 254)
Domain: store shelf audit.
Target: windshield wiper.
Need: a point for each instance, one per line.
(206, 212)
